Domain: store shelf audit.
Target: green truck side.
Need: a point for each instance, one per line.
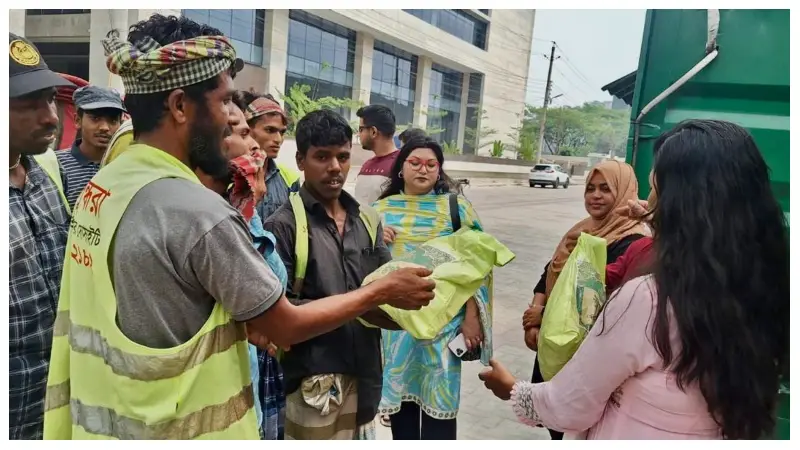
(747, 83)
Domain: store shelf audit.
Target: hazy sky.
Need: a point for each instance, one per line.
(596, 47)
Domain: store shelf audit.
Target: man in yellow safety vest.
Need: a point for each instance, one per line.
(162, 286)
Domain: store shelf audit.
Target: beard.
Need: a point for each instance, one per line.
(366, 144)
(205, 150)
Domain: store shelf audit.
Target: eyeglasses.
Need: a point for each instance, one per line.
(417, 164)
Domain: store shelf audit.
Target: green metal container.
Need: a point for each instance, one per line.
(746, 83)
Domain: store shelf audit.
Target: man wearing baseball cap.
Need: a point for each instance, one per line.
(38, 220)
(99, 116)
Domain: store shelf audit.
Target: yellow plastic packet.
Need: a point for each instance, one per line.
(461, 263)
(574, 304)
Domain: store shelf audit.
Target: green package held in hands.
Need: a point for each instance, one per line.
(574, 304)
(461, 263)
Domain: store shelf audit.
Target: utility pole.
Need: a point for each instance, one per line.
(547, 99)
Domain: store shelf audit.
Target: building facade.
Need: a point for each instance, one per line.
(445, 70)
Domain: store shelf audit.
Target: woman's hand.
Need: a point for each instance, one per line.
(498, 379)
(635, 209)
(471, 328)
(389, 235)
(532, 338)
(532, 317)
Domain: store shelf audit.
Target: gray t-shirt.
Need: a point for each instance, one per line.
(180, 248)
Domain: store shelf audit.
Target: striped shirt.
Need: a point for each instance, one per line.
(76, 171)
(37, 231)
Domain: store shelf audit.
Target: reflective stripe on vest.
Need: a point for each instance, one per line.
(83, 339)
(368, 216)
(48, 161)
(103, 421)
(101, 384)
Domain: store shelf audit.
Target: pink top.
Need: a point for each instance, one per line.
(615, 385)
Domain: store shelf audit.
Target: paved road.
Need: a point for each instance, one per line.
(530, 221)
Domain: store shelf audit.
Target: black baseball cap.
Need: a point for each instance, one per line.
(27, 70)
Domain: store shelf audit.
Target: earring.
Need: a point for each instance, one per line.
(400, 174)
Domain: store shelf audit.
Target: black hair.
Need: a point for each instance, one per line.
(410, 133)
(380, 117)
(238, 99)
(147, 110)
(395, 185)
(247, 97)
(721, 267)
(322, 128)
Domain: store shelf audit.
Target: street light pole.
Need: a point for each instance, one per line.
(547, 99)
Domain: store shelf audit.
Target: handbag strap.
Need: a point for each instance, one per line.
(455, 217)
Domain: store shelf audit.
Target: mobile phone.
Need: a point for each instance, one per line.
(458, 345)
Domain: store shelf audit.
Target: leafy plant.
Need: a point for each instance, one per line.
(301, 99)
(526, 148)
(497, 149)
(451, 148)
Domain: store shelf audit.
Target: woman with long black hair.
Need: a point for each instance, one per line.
(422, 379)
(696, 348)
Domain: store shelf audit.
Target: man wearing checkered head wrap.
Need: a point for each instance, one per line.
(173, 264)
(178, 79)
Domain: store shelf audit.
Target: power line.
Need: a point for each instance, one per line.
(573, 68)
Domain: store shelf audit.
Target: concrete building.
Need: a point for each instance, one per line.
(437, 69)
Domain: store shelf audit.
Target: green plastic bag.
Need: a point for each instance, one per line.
(461, 263)
(574, 304)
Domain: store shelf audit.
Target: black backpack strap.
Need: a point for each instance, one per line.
(455, 217)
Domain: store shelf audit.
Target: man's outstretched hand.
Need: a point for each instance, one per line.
(405, 288)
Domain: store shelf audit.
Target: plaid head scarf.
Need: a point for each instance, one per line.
(146, 67)
(243, 170)
(262, 106)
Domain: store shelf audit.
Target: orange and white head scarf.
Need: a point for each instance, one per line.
(262, 106)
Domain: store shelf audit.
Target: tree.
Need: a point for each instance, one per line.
(578, 131)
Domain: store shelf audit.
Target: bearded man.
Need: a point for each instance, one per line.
(162, 285)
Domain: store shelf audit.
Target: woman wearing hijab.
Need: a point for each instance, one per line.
(696, 348)
(609, 186)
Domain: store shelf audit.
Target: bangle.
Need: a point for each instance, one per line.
(532, 305)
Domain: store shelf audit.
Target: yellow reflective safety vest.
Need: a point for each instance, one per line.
(290, 176)
(102, 385)
(48, 161)
(367, 214)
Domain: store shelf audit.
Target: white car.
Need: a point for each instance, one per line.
(548, 175)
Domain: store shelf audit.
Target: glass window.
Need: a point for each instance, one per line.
(444, 103)
(245, 28)
(321, 55)
(393, 81)
(474, 112)
(456, 22)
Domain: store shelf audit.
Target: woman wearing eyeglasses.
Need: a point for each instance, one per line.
(422, 379)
